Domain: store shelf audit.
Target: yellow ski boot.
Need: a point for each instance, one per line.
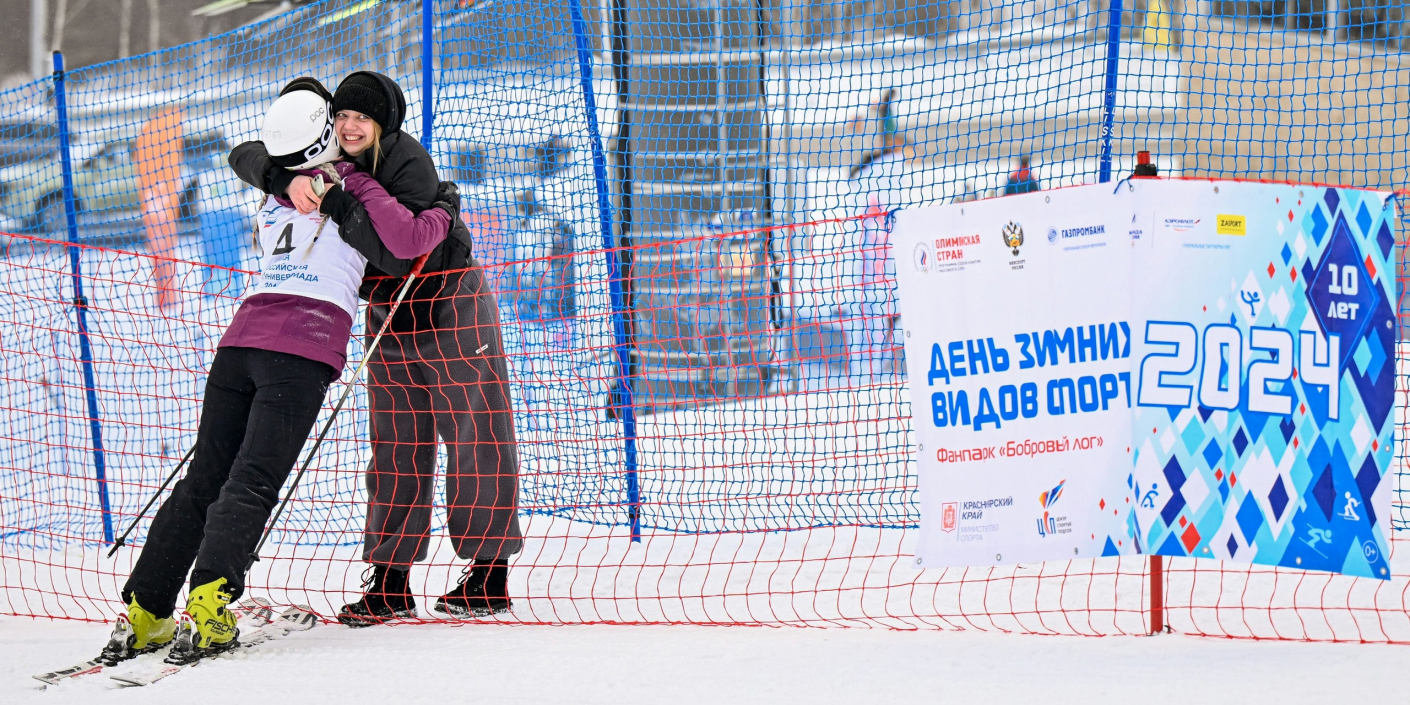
(137, 632)
(207, 626)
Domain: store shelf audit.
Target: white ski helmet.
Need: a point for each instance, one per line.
(298, 131)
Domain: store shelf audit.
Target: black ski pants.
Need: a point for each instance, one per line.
(258, 410)
(440, 373)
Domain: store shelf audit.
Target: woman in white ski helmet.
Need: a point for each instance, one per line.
(272, 368)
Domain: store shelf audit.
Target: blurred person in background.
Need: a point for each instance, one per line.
(545, 290)
(881, 183)
(1022, 179)
(881, 113)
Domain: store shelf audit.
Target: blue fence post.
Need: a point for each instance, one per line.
(1113, 62)
(80, 304)
(428, 86)
(624, 402)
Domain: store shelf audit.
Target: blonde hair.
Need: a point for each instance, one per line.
(376, 144)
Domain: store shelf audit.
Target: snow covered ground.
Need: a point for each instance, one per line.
(682, 665)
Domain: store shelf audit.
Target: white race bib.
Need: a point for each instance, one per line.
(300, 254)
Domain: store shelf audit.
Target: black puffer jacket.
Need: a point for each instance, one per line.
(405, 169)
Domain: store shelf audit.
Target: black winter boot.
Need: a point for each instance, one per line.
(386, 596)
(483, 591)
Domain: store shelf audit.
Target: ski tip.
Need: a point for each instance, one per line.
(56, 677)
(300, 618)
(257, 610)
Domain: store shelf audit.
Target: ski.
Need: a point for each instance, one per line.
(295, 619)
(86, 668)
(255, 612)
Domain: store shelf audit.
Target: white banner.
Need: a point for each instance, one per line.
(1017, 317)
(1186, 368)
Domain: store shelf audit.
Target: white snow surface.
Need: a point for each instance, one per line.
(682, 665)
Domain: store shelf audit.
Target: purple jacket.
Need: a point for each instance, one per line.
(404, 234)
(319, 330)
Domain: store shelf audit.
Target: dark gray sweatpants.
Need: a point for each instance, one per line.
(440, 372)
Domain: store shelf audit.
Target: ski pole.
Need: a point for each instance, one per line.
(123, 539)
(328, 426)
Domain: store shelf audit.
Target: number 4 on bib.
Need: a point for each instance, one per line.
(285, 244)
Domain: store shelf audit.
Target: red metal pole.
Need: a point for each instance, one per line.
(1157, 573)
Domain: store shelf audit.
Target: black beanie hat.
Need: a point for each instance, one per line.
(362, 92)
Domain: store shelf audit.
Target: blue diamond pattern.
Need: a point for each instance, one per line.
(1378, 359)
(1333, 198)
(1324, 492)
(1310, 435)
(1172, 508)
(1362, 356)
(1286, 253)
(1212, 454)
(1319, 226)
(1193, 435)
(1379, 397)
(1233, 546)
(1385, 240)
(1366, 480)
(1287, 427)
(1318, 454)
(1278, 498)
(1174, 475)
(1240, 442)
(1250, 519)
(1363, 219)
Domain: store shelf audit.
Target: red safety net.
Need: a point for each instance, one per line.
(773, 482)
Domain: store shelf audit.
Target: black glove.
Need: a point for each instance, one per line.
(278, 180)
(336, 204)
(448, 199)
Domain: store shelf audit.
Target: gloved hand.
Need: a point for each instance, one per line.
(278, 178)
(337, 203)
(448, 199)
